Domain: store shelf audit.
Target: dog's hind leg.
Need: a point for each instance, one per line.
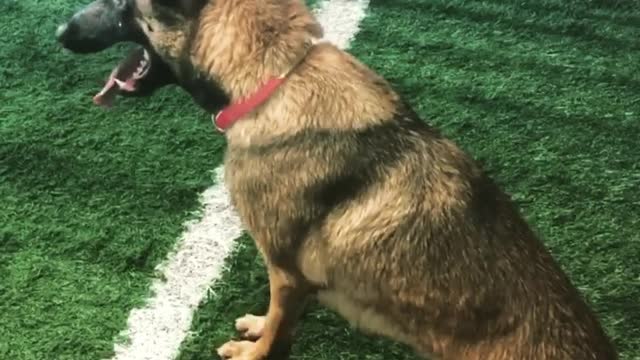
(289, 293)
(365, 318)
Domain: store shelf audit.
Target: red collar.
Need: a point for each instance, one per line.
(232, 113)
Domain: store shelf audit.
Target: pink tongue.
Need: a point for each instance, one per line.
(106, 97)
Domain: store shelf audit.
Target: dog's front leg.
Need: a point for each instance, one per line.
(289, 293)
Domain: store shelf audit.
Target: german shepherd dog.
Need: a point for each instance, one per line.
(349, 196)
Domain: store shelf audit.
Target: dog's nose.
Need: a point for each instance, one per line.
(62, 33)
(61, 30)
(67, 34)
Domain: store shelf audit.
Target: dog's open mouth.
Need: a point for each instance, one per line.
(125, 76)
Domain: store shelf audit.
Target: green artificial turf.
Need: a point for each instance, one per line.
(545, 93)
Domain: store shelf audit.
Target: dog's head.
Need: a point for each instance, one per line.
(163, 31)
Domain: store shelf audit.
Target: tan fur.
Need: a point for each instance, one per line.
(310, 90)
(363, 317)
(350, 197)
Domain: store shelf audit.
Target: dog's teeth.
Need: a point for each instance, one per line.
(142, 66)
(123, 85)
(145, 55)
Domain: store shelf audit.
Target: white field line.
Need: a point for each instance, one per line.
(155, 331)
(341, 19)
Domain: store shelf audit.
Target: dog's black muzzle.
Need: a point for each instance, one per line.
(99, 25)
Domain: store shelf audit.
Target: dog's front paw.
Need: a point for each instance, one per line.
(250, 326)
(239, 350)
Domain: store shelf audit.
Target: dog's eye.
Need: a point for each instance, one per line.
(149, 28)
